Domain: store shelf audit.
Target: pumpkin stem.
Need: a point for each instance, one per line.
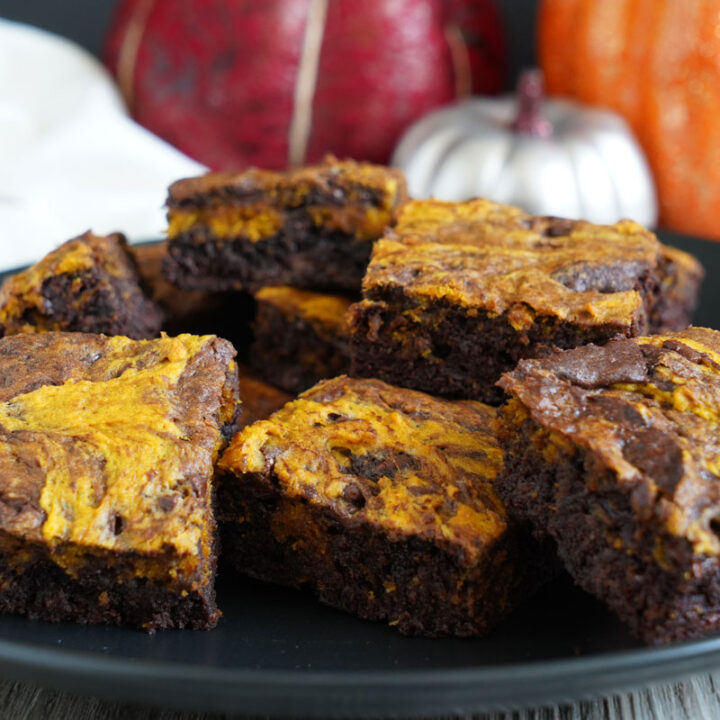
(530, 95)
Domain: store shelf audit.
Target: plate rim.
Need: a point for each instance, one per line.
(350, 693)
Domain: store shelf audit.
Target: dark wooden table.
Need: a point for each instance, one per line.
(696, 698)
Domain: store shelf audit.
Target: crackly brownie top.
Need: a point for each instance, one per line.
(334, 182)
(86, 272)
(398, 459)
(317, 309)
(108, 444)
(345, 196)
(480, 254)
(648, 409)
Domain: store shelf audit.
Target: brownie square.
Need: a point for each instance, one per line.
(381, 502)
(107, 448)
(300, 337)
(613, 452)
(88, 284)
(311, 227)
(459, 292)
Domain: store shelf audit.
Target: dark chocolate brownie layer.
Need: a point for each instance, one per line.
(302, 256)
(311, 227)
(107, 589)
(613, 452)
(449, 350)
(300, 337)
(381, 502)
(414, 585)
(107, 447)
(459, 292)
(89, 284)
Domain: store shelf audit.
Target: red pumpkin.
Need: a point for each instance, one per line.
(282, 82)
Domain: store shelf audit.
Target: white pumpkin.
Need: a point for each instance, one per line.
(550, 157)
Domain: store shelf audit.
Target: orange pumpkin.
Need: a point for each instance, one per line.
(657, 62)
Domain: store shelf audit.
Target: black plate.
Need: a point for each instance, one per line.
(278, 652)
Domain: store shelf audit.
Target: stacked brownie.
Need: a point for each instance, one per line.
(310, 228)
(458, 293)
(299, 240)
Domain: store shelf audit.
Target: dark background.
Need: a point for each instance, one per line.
(85, 21)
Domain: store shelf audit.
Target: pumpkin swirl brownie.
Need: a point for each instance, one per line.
(300, 337)
(88, 284)
(107, 447)
(614, 452)
(312, 227)
(459, 292)
(381, 501)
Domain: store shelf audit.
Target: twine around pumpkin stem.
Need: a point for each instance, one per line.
(530, 95)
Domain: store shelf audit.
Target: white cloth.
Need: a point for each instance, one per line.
(70, 158)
